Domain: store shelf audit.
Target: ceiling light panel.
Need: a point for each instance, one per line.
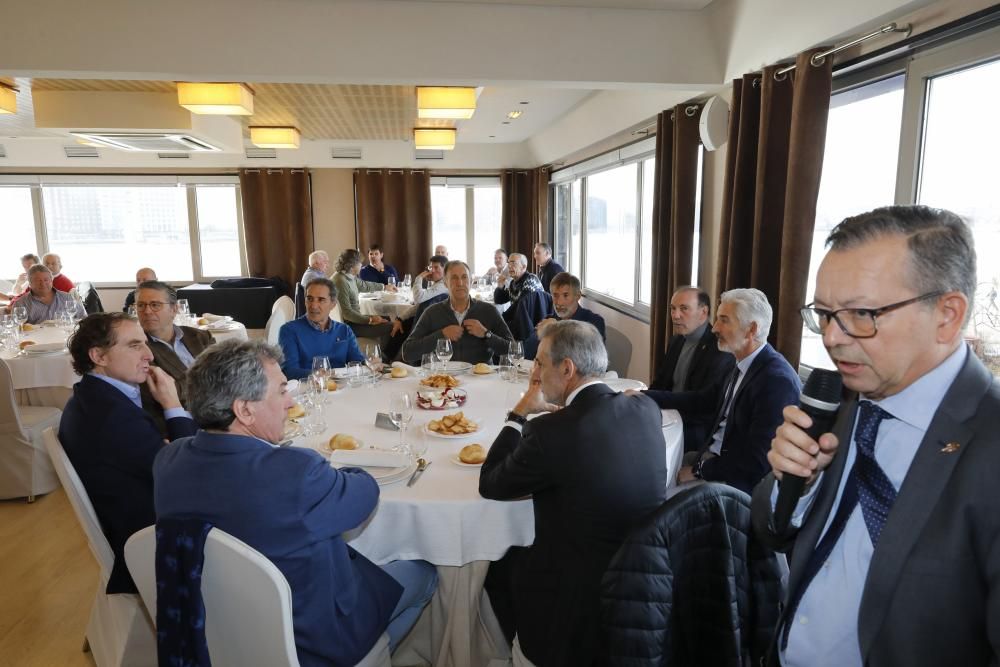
(224, 99)
(446, 102)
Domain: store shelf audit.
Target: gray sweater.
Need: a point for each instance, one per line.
(469, 348)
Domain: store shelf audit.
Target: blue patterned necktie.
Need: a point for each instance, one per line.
(867, 484)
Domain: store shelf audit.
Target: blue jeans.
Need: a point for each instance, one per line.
(419, 581)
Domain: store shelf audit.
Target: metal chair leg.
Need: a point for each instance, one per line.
(31, 499)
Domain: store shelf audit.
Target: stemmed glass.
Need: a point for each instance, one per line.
(320, 375)
(407, 281)
(20, 314)
(516, 352)
(391, 281)
(184, 310)
(444, 351)
(373, 357)
(401, 412)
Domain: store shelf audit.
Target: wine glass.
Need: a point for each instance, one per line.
(444, 351)
(400, 413)
(320, 374)
(516, 352)
(20, 313)
(391, 281)
(407, 281)
(373, 357)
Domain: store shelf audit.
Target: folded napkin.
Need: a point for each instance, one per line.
(400, 364)
(373, 458)
(216, 318)
(44, 348)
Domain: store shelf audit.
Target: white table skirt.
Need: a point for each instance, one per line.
(386, 304)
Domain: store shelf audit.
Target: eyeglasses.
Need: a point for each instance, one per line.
(155, 306)
(855, 322)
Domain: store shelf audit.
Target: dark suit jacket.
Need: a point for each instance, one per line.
(524, 315)
(932, 595)
(195, 340)
(548, 272)
(292, 506)
(581, 315)
(707, 374)
(594, 469)
(112, 443)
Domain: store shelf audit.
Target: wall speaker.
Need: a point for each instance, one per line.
(714, 123)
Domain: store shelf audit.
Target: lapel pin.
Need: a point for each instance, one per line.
(950, 448)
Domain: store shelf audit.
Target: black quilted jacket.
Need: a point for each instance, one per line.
(690, 586)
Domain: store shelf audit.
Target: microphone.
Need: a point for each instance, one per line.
(820, 400)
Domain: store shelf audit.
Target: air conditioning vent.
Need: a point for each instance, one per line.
(428, 155)
(260, 153)
(80, 151)
(345, 153)
(154, 142)
(3, 151)
(173, 156)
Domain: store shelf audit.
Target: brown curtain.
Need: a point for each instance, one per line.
(525, 195)
(277, 222)
(394, 211)
(674, 187)
(777, 134)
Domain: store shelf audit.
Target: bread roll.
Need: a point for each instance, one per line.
(27, 327)
(399, 372)
(473, 454)
(203, 322)
(343, 441)
(482, 369)
(25, 343)
(296, 411)
(331, 385)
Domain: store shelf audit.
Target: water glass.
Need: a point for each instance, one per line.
(427, 364)
(401, 413)
(391, 281)
(507, 370)
(20, 315)
(444, 351)
(407, 281)
(355, 373)
(373, 357)
(183, 307)
(516, 351)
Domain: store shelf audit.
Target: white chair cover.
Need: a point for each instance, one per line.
(248, 604)
(25, 467)
(275, 321)
(286, 306)
(120, 633)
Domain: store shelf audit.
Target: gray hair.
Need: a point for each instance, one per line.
(225, 373)
(325, 282)
(318, 254)
(456, 263)
(942, 249)
(581, 343)
(348, 260)
(751, 306)
(160, 286)
(519, 258)
(37, 268)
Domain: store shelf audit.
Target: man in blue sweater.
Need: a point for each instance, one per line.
(316, 335)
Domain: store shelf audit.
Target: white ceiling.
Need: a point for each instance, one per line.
(674, 5)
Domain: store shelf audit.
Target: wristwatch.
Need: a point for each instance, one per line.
(696, 468)
(516, 418)
(488, 335)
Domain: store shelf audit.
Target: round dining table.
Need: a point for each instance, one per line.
(442, 518)
(391, 305)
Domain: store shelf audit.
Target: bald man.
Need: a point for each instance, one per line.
(142, 275)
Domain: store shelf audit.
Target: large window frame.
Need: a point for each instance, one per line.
(190, 184)
(470, 184)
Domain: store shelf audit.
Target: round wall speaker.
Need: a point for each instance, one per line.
(714, 123)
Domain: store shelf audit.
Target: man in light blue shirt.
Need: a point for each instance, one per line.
(895, 540)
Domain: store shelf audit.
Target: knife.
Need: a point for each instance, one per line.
(421, 466)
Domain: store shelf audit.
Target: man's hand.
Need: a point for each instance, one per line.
(377, 319)
(632, 392)
(452, 332)
(163, 388)
(533, 402)
(397, 327)
(390, 288)
(423, 274)
(544, 323)
(685, 474)
(794, 452)
(474, 327)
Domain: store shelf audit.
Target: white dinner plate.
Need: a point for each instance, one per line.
(454, 368)
(457, 461)
(388, 475)
(621, 384)
(457, 436)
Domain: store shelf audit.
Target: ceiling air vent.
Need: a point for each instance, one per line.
(154, 142)
(262, 152)
(3, 151)
(345, 153)
(80, 151)
(428, 155)
(173, 156)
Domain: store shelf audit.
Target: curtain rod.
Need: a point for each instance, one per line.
(818, 58)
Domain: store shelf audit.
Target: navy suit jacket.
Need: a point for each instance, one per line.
(292, 506)
(111, 444)
(581, 315)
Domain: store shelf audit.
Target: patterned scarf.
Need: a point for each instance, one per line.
(528, 282)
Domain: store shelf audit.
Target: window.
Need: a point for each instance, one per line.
(465, 216)
(18, 230)
(104, 228)
(920, 130)
(612, 232)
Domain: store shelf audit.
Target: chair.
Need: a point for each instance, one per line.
(619, 351)
(282, 311)
(691, 586)
(300, 300)
(91, 299)
(248, 604)
(25, 468)
(119, 632)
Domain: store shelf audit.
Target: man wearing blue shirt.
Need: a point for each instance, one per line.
(316, 335)
(895, 540)
(378, 271)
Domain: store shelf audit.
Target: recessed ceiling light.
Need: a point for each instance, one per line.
(514, 114)
(506, 122)
(525, 103)
(493, 136)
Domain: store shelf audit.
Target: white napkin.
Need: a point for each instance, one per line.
(400, 364)
(374, 458)
(217, 318)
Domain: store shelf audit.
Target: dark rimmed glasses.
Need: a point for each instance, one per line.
(855, 322)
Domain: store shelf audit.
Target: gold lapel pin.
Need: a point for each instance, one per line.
(950, 448)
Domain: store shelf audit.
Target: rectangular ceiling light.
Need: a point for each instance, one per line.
(8, 99)
(226, 99)
(446, 102)
(275, 137)
(442, 139)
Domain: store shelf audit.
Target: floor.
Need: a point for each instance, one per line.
(47, 583)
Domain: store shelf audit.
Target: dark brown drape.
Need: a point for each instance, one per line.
(524, 222)
(777, 134)
(277, 222)
(674, 188)
(394, 211)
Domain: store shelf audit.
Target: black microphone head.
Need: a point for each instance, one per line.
(824, 385)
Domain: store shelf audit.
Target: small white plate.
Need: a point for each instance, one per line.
(621, 384)
(389, 475)
(456, 436)
(457, 461)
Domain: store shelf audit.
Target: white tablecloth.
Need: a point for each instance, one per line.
(388, 305)
(49, 370)
(232, 330)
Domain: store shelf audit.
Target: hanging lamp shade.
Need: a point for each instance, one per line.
(438, 139)
(224, 99)
(446, 102)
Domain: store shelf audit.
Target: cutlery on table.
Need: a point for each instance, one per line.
(421, 466)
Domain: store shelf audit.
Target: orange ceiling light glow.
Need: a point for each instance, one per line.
(275, 137)
(224, 99)
(437, 139)
(446, 102)
(8, 99)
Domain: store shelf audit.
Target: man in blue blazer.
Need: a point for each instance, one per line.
(108, 438)
(566, 291)
(315, 334)
(289, 504)
(749, 409)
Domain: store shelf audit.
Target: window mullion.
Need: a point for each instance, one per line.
(193, 232)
